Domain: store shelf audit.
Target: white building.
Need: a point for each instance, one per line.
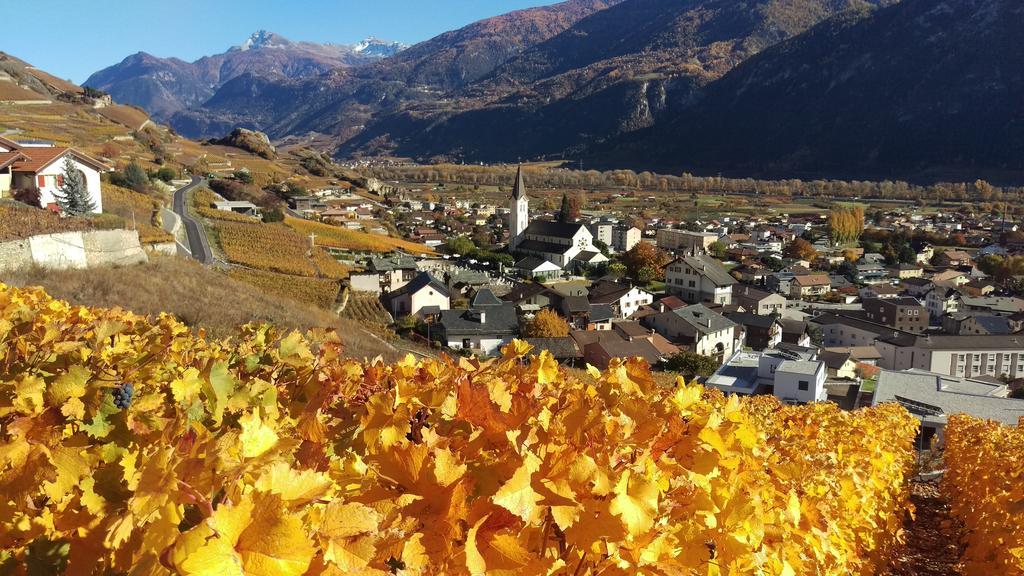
(793, 376)
(971, 356)
(42, 168)
(685, 241)
(698, 329)
(519, 212)
(624, 238)
(699, 278)
(423, 295)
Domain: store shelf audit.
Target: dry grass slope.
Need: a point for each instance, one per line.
(343, 239)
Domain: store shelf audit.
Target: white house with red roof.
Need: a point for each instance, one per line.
(34, 167)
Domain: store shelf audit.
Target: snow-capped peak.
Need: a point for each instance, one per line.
(372, 46)
(263, 39)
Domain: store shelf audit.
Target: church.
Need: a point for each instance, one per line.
(546, 244)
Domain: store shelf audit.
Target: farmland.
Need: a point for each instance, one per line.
(343, 239)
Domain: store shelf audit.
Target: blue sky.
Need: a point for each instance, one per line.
(74, 38)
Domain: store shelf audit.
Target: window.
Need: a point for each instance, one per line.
(803, 386)
(692, 284)
(466, 343)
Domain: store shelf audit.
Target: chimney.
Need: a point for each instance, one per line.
(483, 317)
(708, 322)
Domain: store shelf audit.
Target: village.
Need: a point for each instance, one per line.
(925, 310)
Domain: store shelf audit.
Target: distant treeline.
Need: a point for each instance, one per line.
(545, 177)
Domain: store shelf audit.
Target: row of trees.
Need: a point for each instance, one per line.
(544, 177)
(846, 224)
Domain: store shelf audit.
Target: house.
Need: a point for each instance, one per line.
(624, 299)
(698, 279)
(624, 238)
(846, 330)
(839, 363)
(941, 301)
(953, 259)
(932, 396)
(994, 356)
(599, 348)
(537, 267)
(795, 332)
(532, 296)
(759, 332)
(685, 241)
(389, 273)
(423, 291)
(794, 376)
(696, 328)
(917, 287)
(905, 313)
(41, 168)
(758, 301)
(978, 323)
(950, 278)
(563, 349)
(978, 288)
(565, 244)
(809, 286)
(871, 273)
(904, 271)
(486, 326)
(994, 305)
(238, 207)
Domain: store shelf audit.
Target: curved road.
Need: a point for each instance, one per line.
(198, 244)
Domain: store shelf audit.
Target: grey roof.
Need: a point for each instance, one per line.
(470, 277)
(576, 303)
(564, 348)
(586, 256)
(552, 228)
(527, 290)
(499, 320)
(601, 312)
(835, 359)
(603, 292)
(703, 319)
(994, 324)
(933, 397)
(378, 264)
(807, 367)
(712, 269)
(419, 282)
(791, 326)
(917, 281)
(530, 263)
(997, 303)
(750, 292)
(543, 247)
(846, 319)
(485, 297)
(965, 342)
(748, 319)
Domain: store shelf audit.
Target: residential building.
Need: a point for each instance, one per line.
(758, 301)
(941, 301)
(239, 207)
(970, 356)
(953, 259)
(625, 299)
(978, 323)
(423, 294)
(599, 348)
(602, 231)
(486, 326)
(932, 396)
(917, 287)
(809, 286)
(905, 314)
(795, 332)
(563, 349)
(696, 328)
(904, 271)
(685, 241)
(846, 330)
(994, 305)
(840, 363)
(624, 237)
(41, 168)
(532, 296)
(759, 331)
(699, 278)
(794, 376)
(871, 273)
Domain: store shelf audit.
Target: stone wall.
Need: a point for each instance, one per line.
(73, 250)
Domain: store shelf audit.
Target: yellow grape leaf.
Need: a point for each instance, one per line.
(635, 502)
(501, 394)
(28, 394)
(256, 437)
(187, 386)
(516, 349)
(517, 494)
(414, 554)
(547, 368)
(474, 560)
(68, 388)
(447, 468)
(255, 538)
(293, 486)
(349, 529)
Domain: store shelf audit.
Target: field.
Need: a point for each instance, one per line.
(316, 291)
(356, 241)
(367, 310)
(19, 221)
(273, 450)
(270, 247)
(129, 116)
(134, 207)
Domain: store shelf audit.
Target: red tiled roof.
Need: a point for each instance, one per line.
(8, 158)
(39, 158)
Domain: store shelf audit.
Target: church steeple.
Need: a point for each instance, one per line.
(519, 211)
(519, 188)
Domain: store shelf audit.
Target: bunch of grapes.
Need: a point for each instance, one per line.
(123, 396)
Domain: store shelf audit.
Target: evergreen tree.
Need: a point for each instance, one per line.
(136, 177)
(563, 212)
(73, 194)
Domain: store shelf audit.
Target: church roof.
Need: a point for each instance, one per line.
(552, 228)
(519, 188)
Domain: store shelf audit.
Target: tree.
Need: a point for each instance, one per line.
(243, 176)
(461, 245)
(616, 269)
(800, 249)
(273, 215)
(718, 249)
(645, 262)
(135, 177)
(600, 245)
(691, 365)
(73, 193)
(847, 224)
(546, 324)
(570, 210)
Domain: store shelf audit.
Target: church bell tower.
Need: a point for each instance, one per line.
(519, 211)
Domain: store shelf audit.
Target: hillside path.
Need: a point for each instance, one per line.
(198, 243)
(933, 537)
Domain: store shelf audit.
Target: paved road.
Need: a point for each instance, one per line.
(197, 241)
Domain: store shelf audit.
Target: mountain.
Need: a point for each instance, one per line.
(164, 86)
(342, 101)
(611, 73)
(922, 88)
